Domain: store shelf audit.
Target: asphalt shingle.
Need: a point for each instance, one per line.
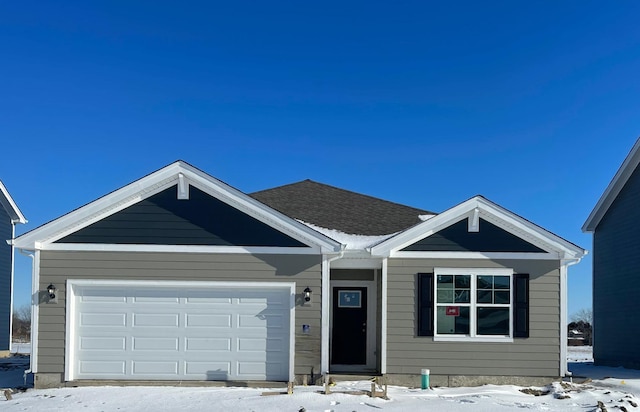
(334, 208)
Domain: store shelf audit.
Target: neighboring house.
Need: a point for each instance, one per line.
(10, 216)
(615, 224)
(178, 276)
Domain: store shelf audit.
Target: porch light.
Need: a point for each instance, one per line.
(307, 294)
(51, 290)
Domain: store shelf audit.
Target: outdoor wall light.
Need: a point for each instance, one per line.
(51, 290)
(307, 294)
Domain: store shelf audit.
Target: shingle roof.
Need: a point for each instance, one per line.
(334, 208)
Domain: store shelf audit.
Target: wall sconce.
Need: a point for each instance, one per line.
(307, 294)
(51, 290)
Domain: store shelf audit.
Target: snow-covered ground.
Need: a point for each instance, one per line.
(616, 389)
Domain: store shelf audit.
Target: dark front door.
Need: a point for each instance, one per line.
(349, 337)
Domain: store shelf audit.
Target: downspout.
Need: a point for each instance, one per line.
(324, 341)
(33, 364)
(564, 266)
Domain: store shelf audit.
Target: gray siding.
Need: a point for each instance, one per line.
(57, 267)
(6, 257)
(616, 279)
(538, 355)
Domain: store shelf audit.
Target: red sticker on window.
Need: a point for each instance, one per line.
(453, 310)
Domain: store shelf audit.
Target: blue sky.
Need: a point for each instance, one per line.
(533, 105)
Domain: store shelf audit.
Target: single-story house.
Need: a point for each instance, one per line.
(179, 276)
(615, 224)
(10, 216)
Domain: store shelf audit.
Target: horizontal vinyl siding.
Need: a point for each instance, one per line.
(6, 230)
(616, 279)
(57, 267)
(538, 355)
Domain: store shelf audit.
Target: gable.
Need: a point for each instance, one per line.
(163, 219)
(623, 213)
(457, 238)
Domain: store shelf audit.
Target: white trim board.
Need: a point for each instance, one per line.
(158, 181)
(489, 211)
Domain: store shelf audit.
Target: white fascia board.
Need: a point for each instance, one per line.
(14, 212)
(490, 211)
(613, 189)
(158, 181)
(475, 255)
(110, 247)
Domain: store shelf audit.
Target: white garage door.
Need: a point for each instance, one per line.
(178, 333)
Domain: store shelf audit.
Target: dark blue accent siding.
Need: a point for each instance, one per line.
(457, 238)
(616, 280)
(6, 258)
(163, 219)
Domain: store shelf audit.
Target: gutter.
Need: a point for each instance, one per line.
(34, 316)
(564, 272)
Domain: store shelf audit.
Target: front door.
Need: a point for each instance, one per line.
(349, 337)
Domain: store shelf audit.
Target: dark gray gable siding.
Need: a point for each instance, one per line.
(457, 238)
(163, 219)
(616, 279)
(5, 279)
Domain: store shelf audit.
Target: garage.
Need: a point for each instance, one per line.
(180, 330)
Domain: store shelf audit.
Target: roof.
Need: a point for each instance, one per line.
(182, 174)
(10, 206)
(611, 192)
(334, 208)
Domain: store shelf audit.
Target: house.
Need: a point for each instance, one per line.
(615, 224)
(10, 216)
(179, 276)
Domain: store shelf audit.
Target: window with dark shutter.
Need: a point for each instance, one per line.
(425, 304)
(521, 305)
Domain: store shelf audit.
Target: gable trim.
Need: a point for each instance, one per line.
(10, 205)
(158, 181)
(107, 247)
(613, 189)
(475, 255)
(491, 212)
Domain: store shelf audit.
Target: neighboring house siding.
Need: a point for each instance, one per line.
(57, 267)
(537, 355)
(616, 279)
(6, 257)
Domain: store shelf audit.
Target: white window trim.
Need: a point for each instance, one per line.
(472, 337)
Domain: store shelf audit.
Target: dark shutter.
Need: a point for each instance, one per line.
(521, 305)
(425, 304)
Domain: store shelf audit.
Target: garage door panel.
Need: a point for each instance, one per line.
(155, 343)
(156, 319)
(208, 344)
(208, 321)
(183, 333)
(103, 343)
(103, 319)
(103, 367)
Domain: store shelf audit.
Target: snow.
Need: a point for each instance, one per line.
(352, 241)
(616, 388)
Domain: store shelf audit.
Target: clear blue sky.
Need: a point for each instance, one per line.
(533, 105)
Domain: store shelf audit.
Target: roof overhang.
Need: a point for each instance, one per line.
(182, 174)
(611, 192)
(474, 208)
(10, 206)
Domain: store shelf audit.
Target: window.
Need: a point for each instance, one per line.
(477, 304)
